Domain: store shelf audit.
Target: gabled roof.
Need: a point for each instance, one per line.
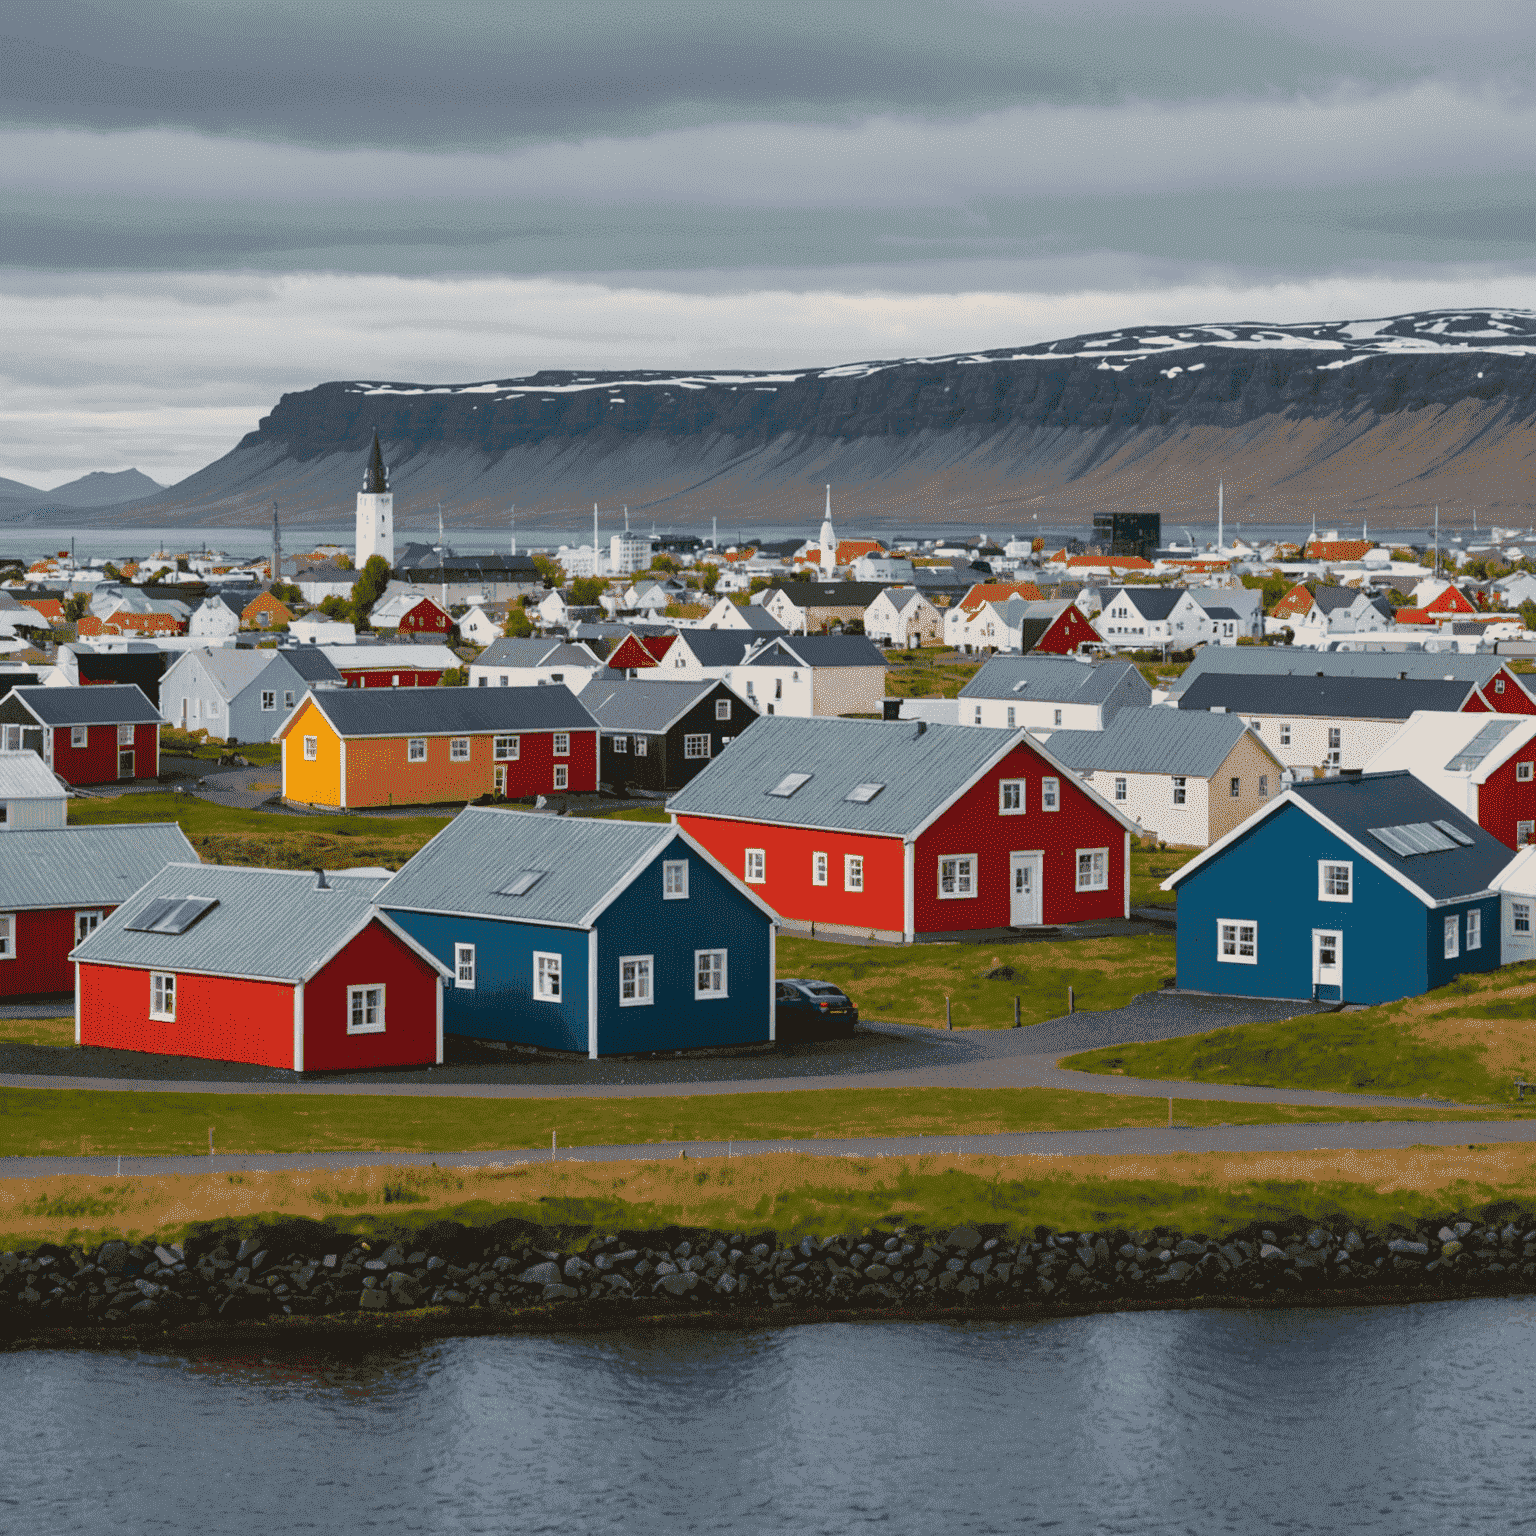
(1172, 741)
(1332, 599)
(1338, 549)
(267, 925)
(1150, 602)
(754, 616)
(1352, 805)
(99, 704)
(1058, 679)
(86, 866)
(999, 592)
(1444, 748)
(310, 662)
(923, 769)
(719, 647)
(390, 712)
(508, 652)
(1342, 698)
(230, 671)
(1279, 660)
(818, 651)
(584, 864)
(831, 594)
(367, 657)
(638, 704)
(24, 776)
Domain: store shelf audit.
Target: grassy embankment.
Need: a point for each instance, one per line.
(930, 674)
(1212, 1193)
(1468, 1042)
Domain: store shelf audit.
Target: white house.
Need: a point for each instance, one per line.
(317, 631)
(812, 675)
(31, 798)
(484, 623)
(1516, 885)
(216, 616)
(745, 616)
(879, 566)
(527, 663)
(902, 616)
(1149, 618)
(1050, 693)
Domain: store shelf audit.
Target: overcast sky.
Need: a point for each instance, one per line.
(203, 205)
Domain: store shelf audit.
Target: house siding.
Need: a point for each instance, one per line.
(1246, 761)
(1149, 803)
(1066, 633)
(379, 771)
(1503, 801)
(1359, 740)
(96, 762)
(410, 984)
(43, 940)
(664, 765)
(319, 782)
(384, 677)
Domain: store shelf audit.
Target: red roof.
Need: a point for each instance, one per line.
(49, 607)
(1297, 600)
(1000, 592)
(1113, 562)
(1339, 549)
(1451, 600)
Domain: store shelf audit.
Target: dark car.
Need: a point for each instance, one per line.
(812, 1010)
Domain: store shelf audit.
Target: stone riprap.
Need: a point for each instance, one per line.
(304, 1269)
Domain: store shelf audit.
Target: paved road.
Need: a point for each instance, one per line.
(1386, 1135)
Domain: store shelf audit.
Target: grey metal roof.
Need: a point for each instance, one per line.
(1331, 599)
(444, 711)
(24, 776)
(1230, 614)
(86, 866)
(1150, 602)
(921, 767)
(819, 651)
(482, 850)
(512, 652)
(1180, 741)
(757, 617)
(311, 663)
(1058, 679)
(1278, 660)
(99, 704)
(269, 923)
(719, 647)
(1342, 698)
(831, 594)
(638, 704)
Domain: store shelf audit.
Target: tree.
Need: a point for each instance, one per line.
(586, 590)
(663, 562)
(1528, 614)
(344, 563)
(285, 592)
(708, 576)
(369, 588)
(334, 607)
(551, 572)
(453, 677)
(76, 606)
(518, 626)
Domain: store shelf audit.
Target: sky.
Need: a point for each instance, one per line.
(204, 205)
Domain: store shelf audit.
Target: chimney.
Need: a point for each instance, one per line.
(922, 725)
(321, 883)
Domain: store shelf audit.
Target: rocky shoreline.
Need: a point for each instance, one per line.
(448, 1278)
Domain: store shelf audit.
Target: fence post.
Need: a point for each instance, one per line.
(949, 1022)
(1015, 1013)
(1170, 1114)
(1071, 999)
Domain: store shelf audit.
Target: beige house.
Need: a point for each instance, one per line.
(902, 616)
(1184, 778)
(813, 675)
(813, 607)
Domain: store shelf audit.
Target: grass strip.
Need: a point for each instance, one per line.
(76, 1122)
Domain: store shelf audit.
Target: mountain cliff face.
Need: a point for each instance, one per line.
(1380, 418)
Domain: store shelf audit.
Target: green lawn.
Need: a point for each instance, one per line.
(928, 674)
(175, 743)
(1150, 867)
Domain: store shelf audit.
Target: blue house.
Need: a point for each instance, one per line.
(605, 937)
(1360, 888)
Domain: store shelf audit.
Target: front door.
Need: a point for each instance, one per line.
(1328, 964)
(501, 780)
(1024, 890)
(125, 765)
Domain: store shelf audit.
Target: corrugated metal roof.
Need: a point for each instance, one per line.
(921, 768)
(719, 647)
(1180, 741)
(483, 849)
(380, 658)
(637, 704)
(1281, 660)
(1341, 698)
(230, 671)
(86, 866)
(24, 776)
(444, 711)
(1058, 679)
(99, 704)
(269, 923)
(818, 651)
(512, 652)
(311, 663)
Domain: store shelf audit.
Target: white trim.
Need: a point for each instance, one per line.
(1022, 808)
(161, 1013)
(559, 972)
(438, 987)
(591, 993)
(762, 866)
(1101, 886)
(909, 892)
(957, 894)
(77, 1002)
(649, 999)
(820, 864)
(10, 949)
(773, 981)
(1238, 923)
(342, 797)
(1323, 866)
(368, 1029)
(1127, 912)
(1474, 930)
(668, 868)
(724, 991)
(1450, 930)
(298, 1027)
(458, 967)
(849, 860)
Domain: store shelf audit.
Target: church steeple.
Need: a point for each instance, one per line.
(375, 511)
(376, 479)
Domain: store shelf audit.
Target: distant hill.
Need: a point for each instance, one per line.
(15, 489)
(102, 489)
(1377, 418)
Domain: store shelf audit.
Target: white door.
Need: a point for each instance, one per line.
(1024, 890)
(1328, 963)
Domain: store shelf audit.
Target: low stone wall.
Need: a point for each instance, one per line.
(306, 1269)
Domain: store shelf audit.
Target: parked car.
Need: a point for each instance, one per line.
(806, 1009)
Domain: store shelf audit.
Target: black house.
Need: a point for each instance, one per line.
(656, 736)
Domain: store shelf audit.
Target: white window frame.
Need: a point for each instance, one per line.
(508, 748)
(548, 984)
(674, 880)
(562, 744)
(1235, 789)
(7, 935)
(1285, 733)
(1525, 772)
(358, 1002)
(1323, 867)
(1520, 916)
(642, 747)
(819, 864)
(1180, 789)
(90, 920)
(716, 975)
(638, 973)
(162, 995)
(562, 776)
(853, 872)
(311, 749)
(755, 866)
(1263, 786)
(1012, 717)
(1524, 830)
(1050, 794)
(464, 967)
(79, 735)
(1122, 789)
(1237, 926)
(1335, 738)
(1474, 929)
(1015, 789)
(125, 735)
(620, 744)
(458, 749)
(722, 706)
(1056, 719)
(962, 877)
(1453, 936)
(696, 746)
(416, 749)
(1098, 864)
(269, 699)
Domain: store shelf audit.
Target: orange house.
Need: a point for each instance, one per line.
(354, 747)
(265, 612)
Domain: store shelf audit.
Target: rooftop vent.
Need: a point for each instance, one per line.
(789, 784)
(321, 883)
(172, 914)
(524, 883)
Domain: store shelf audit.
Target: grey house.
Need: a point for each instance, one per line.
(658, 735)
(241, 695)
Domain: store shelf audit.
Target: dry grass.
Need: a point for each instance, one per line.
(38, 1031)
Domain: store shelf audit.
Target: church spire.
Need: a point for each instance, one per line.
(376, 480)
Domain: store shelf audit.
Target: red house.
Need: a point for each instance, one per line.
(392, 666)
(636, 652)
(903, 830)
(412, 613)
(276, 967)
(86, 735)
(58, 884)
(1061, 635)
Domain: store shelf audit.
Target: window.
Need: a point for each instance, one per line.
(976, 720)
(789, 784)
(1452, 937)
(1093, 869)
(1237, 941)
(365, 1010)
(957, 876)
(1498, 687)
(635, 989)
(311, 748)
(562, 776)
(464, 966)
(508, 748)
(5, 813)
(416, 750)
(756, 866)
(86, 923)
(162, 995)
(1010, 797)
(695, 746)
(1119, 789)
(1180, 790)
(562, 743)
(458, 749)
(722, 707)
(1057, 720)
(1474, 930)
(394, 681)
(1236, 789)
(546, 977)
(708, 973)
(13, 738)
(862, 794)
(1050, 794)
(1263, 786)
(1524, 832)
(778, 691)
(1335, 881)
(1285, 735)
(1333, 738)
(853, 872)
(1524, 771)
(7, 936)
(269, 698)
(674, 880)
(287, 699)
(818, 869)
(1012, 716)
(621, 743)
(1519, 911)
(642, 746)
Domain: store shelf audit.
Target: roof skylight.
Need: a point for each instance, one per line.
(171, 914)
(1480, 746)
(862, 794)
(1414, 837)
(524, 883)
(789, 784)
(1455, 832)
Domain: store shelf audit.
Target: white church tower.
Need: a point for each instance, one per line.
(828, 542)
(375, 512)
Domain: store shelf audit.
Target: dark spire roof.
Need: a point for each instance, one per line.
(376, 480)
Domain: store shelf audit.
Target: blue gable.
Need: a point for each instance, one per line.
(1390, 943)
